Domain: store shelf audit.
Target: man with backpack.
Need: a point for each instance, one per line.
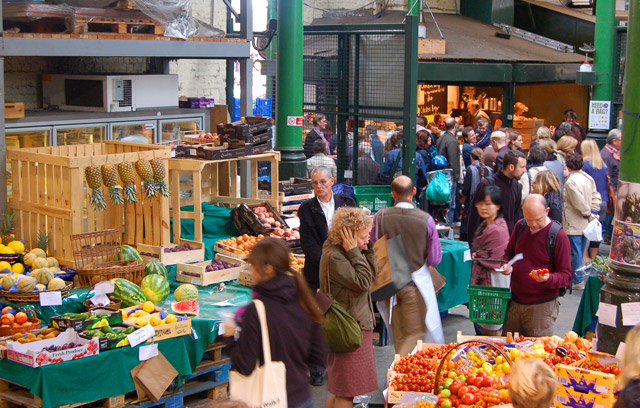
(539, 279)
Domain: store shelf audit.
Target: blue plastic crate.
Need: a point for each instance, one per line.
(343, 188)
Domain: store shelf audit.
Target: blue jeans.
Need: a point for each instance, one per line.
(452, 203)
(607, 226)
(307, 404)
(578, 244)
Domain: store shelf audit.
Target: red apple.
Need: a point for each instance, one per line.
(266, 225)
(277, 224)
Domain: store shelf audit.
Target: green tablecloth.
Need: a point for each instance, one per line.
(456, 271)
(589, 304)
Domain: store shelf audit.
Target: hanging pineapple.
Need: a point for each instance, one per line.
(125, 170)
(94, 181)
(159, 173)
(6, 227)
(143, 167)
(110, 179)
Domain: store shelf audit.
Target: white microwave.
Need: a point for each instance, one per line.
(109, 93)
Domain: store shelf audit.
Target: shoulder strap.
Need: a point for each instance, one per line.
(327, 269)
(520, 226)
(551, 242)
(530, 180)
(266, 345)
(492, 179)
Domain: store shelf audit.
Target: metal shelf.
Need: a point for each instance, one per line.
(79, 47)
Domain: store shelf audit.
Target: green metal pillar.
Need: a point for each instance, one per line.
(410, 96)
(289, 89)
(508, 100)
(630, 150)
(272, 13)
(414, 7)
(603, 61)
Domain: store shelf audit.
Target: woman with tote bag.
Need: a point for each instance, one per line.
(294, 332)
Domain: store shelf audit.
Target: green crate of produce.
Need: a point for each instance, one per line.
(488, 305)
(374, 198)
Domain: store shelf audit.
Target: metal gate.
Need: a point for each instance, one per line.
(619, 58)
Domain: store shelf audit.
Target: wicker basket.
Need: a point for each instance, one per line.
(32, 296)
(11, 258)
(35, 324)
(90, 275)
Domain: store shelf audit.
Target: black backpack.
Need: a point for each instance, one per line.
(550, 244)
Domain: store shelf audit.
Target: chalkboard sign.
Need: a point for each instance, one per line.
(432, 99)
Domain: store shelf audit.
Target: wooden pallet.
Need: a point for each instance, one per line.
(115, 36)
(85, 25)
(13, 394)
(214, 357)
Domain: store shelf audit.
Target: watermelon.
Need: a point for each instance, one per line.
(128, 292)
(129, 253)
(189, 307)
(155, 267)
(155, 287)
(186, 291)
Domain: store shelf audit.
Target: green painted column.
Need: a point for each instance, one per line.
(289, 89)
(414, 7)
(603, 60)
(410, 96)
(272, 13)
(630, 151)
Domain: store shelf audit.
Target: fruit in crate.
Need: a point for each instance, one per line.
(155, 267)
(185, 291)
(189, 307)
(159, 174)
(8, 281)
(145, 171)
(296, 262)
(218, 265)
(26, 284)
(266, 218)
(239, 245)
(111, 333)
(155, 287)
(5, 267)
(180, 248)
(56, 284)
(44, 334)
(287, 233)
(110, 180)
(126, 172)
(128, 292)
(127, 253)
(94, 181)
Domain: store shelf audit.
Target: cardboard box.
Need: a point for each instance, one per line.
(393, 396)
(114, 318)
(295, 186)
(105, 343)
(253, 138)
(245, 213)
(244, 278)
(218, 115)
(252, 149)
(196, 274)
(240, 225)
(567, 397)
(33, 355)
(172, 258)
(578, 387)
(218, 153)
(248, 126)
(164, 331)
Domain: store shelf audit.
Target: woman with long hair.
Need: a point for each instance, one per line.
(566, 146)
(293, 318)
(547, 184)
(475, 173)
(347, 271)
(629, 394)
(595, 167)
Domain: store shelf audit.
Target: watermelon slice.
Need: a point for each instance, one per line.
(189, 307)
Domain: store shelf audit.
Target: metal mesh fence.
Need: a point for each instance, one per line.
(620, 53)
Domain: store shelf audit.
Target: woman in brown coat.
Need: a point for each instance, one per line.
(347, 271)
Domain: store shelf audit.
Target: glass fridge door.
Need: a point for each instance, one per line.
(18, 139)
(80, 134)
(172, 129)
(135, 132)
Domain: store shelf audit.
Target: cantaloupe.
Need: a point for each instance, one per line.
(39, 263)
(28, 258)
(45, 276)
(56, 284)
(53, 261)
(40, 286)
(39, 252)
(8, 281)
(27, 284)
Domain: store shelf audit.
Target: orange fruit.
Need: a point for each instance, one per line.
(6, 309)
(8, 319)
(21, 317)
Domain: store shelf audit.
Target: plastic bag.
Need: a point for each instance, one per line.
(176, 16)
(439, 189)
(593, 232)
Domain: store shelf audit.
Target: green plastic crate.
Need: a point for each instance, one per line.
(374, 198)
(488, 305)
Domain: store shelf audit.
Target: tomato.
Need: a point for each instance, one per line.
(482, 373)
(455, 401)
(455, 386)
(446, 403)
(550, 347)
(445, 393)
(571, 337)
(481, 404)
(469, 398)
(488, 381)
(463, 390)
(474, 389)
(477, 382)
(616, 370)
(470, 378)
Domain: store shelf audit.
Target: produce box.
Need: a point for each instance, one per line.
(500, 340)
(107, 341)
(295, 186)
(578, 387)
(258, 225)
(394, 396)
(245, 278)
(244, 129)
(197, 274)
(164, 331)
(568, 397)
(219, 153)
(95, 319)
(34, 354)
(169, 255)
(253, 148)
(252, 138)
(192, 151)
(229, 251)
(200, 137)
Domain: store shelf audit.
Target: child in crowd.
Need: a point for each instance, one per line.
(532, 384)
(629, 395)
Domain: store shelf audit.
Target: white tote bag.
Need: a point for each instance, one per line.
(593, 231)
(266, 386)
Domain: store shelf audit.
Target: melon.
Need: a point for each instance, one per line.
(44, 276)
(27, 284)
(189, 307)
(39, 287)
(39, 263)
(128, 253)
(155, 267)
(128, 292)
(34, 273)
(39, 252)
(8, 281)
(28, 258)
(155, 288)
(186, 291)
(56, 284)
(53, 261)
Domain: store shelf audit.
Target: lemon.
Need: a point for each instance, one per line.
(171, 319)
(148, 307)
(5, 265)
(18, 268)
(155, 320)
(141, 321)
(17, 246)
(7, 250)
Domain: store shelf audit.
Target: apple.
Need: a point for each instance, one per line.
(261, 216)
(287, 234)
(277, 224)
(269, 214)
(266, 225)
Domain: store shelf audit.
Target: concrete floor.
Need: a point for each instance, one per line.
(457, 320)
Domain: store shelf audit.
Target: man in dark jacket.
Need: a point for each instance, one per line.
(315, 219)
(449, 147)
(611, 156)
(319, 127)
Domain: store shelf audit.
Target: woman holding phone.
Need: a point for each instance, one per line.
(347, 271)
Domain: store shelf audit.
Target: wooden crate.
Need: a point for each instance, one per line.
(49, 194)
(172, 258)
(527, 128)
(13, 110)
(215, 181)
(428, 46)
(205, 278)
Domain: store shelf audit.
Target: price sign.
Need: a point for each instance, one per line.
(51, 298)
(141, 335)
(147, 352)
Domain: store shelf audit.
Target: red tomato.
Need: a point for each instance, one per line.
(469, 398)
(477, 382)
(481, 404)
(550, 347)
(470, 378)
(463, 390)
(482, 373)
(488, 381)
(455, 386)
(455, 401)
(473, 389)
(616, 370)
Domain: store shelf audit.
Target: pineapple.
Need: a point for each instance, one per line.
(159, 173)
(145, 171)
(94, 181)
(125, 169)
(42, 241)
(6, 227)
(110, 179)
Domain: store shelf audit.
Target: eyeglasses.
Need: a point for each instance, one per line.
(322, 182)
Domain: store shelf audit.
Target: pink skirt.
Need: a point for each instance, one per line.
(353, 374)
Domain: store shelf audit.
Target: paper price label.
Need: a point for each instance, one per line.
(196, 281)
(147, 352)
(51, 298)
(141, 335)
(221, 329)
(630, 313)
(467, 255)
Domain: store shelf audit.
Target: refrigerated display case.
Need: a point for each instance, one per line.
(82, 134)
(173, 129)
(27, 137)
(134, 131)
